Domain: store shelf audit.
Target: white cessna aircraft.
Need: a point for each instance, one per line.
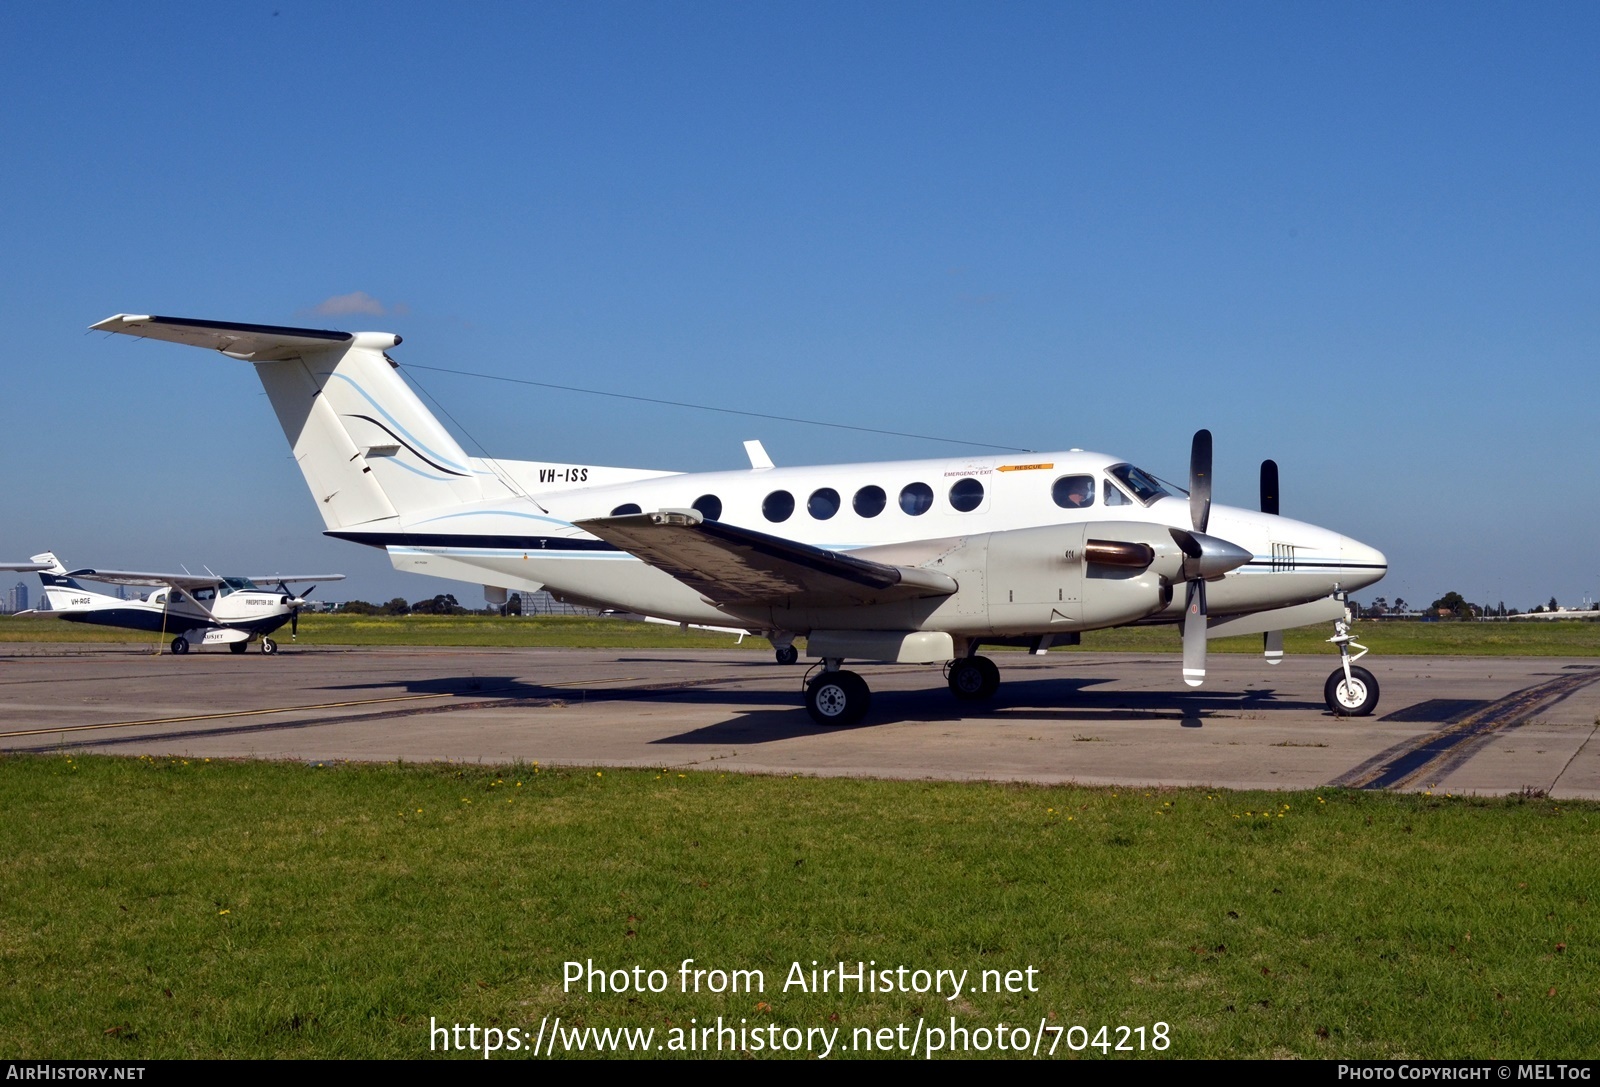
(905, 561)
(195, 610)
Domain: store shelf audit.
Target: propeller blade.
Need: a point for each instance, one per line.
(1269, 487)
(294, 623)
(1272, 646)
(1194, 634)
(1200, 480)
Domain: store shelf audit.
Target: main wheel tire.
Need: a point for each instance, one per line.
(180, 645)
(787, 655)
(973, 679)
(237, 647)
(1357, 698)
(838, 698)
(268, 646)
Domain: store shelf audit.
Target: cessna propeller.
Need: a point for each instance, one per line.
(294, 603)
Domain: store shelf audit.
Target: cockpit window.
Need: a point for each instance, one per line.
(237, 585)
(1073, 492)
(1141, 483)
(1114, 495)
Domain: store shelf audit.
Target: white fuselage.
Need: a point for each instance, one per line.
(531, 542)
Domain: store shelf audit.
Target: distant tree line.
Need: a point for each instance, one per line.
(443, 604)
(1452, 606)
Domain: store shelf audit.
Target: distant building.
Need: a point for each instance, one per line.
(17, 599)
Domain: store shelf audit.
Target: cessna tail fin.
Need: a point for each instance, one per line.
(368, 447)
(57, 574)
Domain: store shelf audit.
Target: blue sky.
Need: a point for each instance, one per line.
(1361, 239)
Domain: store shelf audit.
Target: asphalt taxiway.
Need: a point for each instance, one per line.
(1456, 724)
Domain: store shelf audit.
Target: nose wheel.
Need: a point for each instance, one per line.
(1352, 696)
(1350, 691)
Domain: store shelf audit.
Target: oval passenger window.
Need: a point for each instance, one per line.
(710, 507)
(966, 495)
(916, 498)
(823, 503)
(777, 506)
(869, 501)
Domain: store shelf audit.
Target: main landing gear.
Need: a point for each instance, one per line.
(973, 679)
(1350, 691)
(836, 697)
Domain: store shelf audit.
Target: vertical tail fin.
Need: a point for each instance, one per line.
(368, 448)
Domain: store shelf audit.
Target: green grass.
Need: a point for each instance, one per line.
(1530, 638)
(163, 908)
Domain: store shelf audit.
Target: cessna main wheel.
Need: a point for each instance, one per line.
(787, 655)
(838, 698)
(972, 679)
(236, 647)
(180, 645)
(268, 646)
(1356, 697)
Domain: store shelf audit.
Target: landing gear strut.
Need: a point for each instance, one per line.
(1350, 691)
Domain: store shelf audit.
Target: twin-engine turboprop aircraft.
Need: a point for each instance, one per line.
(905, 561)
(195, 610)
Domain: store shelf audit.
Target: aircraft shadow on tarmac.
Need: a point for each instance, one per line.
(773, 715)
(1043, 700)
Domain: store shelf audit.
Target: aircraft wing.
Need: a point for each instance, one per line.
(730, 565)
(186, 582)
(24, 567)
(291, 579)
(258, 343)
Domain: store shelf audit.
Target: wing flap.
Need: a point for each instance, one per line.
(731, 565)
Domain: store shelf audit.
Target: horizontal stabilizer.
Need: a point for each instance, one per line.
(730, 565)
(259, 343)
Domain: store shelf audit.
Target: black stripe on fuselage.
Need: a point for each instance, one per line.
(1288, 567)
(485, 542)
(172, 622)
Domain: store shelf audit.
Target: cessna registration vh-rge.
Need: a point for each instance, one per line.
(905, 561)
(194, 609)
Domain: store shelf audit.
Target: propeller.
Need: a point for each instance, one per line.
(1272, 640)
(1194, 598)
(1269, 487)
(295, 603)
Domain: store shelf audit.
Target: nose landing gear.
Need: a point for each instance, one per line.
(1349, 691)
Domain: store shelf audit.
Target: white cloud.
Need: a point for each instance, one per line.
(354, 302)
